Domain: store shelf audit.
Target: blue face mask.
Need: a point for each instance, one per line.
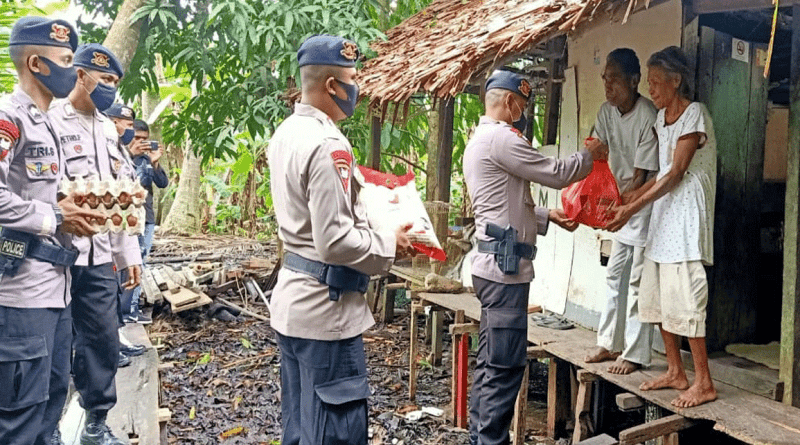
(127, 136)
(348, 106)
(103, 96)
(521, 124)
(61, 80)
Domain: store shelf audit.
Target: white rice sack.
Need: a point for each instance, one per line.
(393, 200)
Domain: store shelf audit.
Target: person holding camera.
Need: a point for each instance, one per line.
(146, 154)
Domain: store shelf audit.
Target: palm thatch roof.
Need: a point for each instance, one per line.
(452, 42)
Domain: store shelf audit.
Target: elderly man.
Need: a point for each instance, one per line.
(625, 124)
(499, 166)
(318, 307)
(90, 148)
(35, 253)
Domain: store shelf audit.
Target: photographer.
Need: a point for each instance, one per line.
(145, 154)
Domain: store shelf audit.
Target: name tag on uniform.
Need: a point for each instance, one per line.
(13, 248)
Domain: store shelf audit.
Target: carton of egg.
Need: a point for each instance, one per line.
(121, 201)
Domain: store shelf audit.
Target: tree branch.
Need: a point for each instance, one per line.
(416, 166)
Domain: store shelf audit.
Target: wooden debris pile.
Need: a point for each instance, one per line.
(453, 42)
(195, 284)
(191, 272)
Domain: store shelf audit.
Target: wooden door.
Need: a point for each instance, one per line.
(730, 81)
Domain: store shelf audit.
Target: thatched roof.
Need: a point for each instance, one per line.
(441, 48)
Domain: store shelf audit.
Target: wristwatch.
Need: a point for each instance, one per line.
(59, 215)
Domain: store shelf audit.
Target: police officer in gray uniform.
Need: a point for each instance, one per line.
(318, 306)
(499, 165)
(35, 255)
(90, 145)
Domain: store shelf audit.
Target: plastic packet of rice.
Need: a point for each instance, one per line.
(391, 200)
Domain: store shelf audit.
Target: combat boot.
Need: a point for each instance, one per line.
(96, 432)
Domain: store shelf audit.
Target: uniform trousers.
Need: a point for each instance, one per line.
(620, 329)
(95, 320)
(502, 357)
(324, 391)
(34, 372)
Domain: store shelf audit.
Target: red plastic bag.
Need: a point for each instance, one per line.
(393, 200)
(588, 201)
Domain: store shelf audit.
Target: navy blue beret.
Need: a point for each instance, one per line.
(121, 111)
(95, 56)
(43, 31)
(510, 81)
(327, 50)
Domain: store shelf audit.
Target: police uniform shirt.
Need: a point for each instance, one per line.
(30, 172)
(499, 165)
(90, 146)
(320, 218)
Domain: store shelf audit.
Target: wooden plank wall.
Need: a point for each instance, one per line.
(790, 321)
(735, 94)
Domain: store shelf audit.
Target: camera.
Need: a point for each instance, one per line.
(153, 145)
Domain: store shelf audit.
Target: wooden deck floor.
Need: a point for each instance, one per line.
(742, 415)
(134, 419)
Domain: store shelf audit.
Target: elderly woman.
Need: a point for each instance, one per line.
(674, 288)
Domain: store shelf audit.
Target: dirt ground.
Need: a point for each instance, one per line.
(222, 384)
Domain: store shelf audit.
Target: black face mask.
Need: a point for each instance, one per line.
(521, 124)
(61, 80)
(348, 106)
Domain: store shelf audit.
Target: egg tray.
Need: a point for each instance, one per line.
(121, 201)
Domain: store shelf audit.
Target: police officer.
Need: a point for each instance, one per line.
(318, 307)
(499, 165)
(122, 116)
(35, 323)
(89, 142)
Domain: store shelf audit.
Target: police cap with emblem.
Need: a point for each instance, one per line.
(510, 81)
(327, 50)
(99, 58)
(121, 111)
(43, 32)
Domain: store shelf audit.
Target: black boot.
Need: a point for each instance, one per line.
(96, 432)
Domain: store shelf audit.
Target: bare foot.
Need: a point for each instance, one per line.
(600, 355)
(674, 381)
(696, 395)
(623, 367)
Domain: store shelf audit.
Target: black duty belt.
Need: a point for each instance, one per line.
(15, 246)
(338, 278)
(522, 250)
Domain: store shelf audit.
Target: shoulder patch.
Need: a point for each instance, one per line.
(519, 133)
(343, 162)
(9, 133)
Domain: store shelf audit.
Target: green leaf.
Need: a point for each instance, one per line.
(246, 343)
(204, 359)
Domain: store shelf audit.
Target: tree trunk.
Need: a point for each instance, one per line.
(123, 37)
(185, 216)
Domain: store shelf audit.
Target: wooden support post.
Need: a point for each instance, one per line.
(462, 416)
(655, 429)
(790, 314)
(558, 397)
(413, 347)
(521, 409)
(387, 304)
(459, 319)
(375, 143)
(552, 109)
(445, 164)
(437, 327)
(428, 329)
(583, 405)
